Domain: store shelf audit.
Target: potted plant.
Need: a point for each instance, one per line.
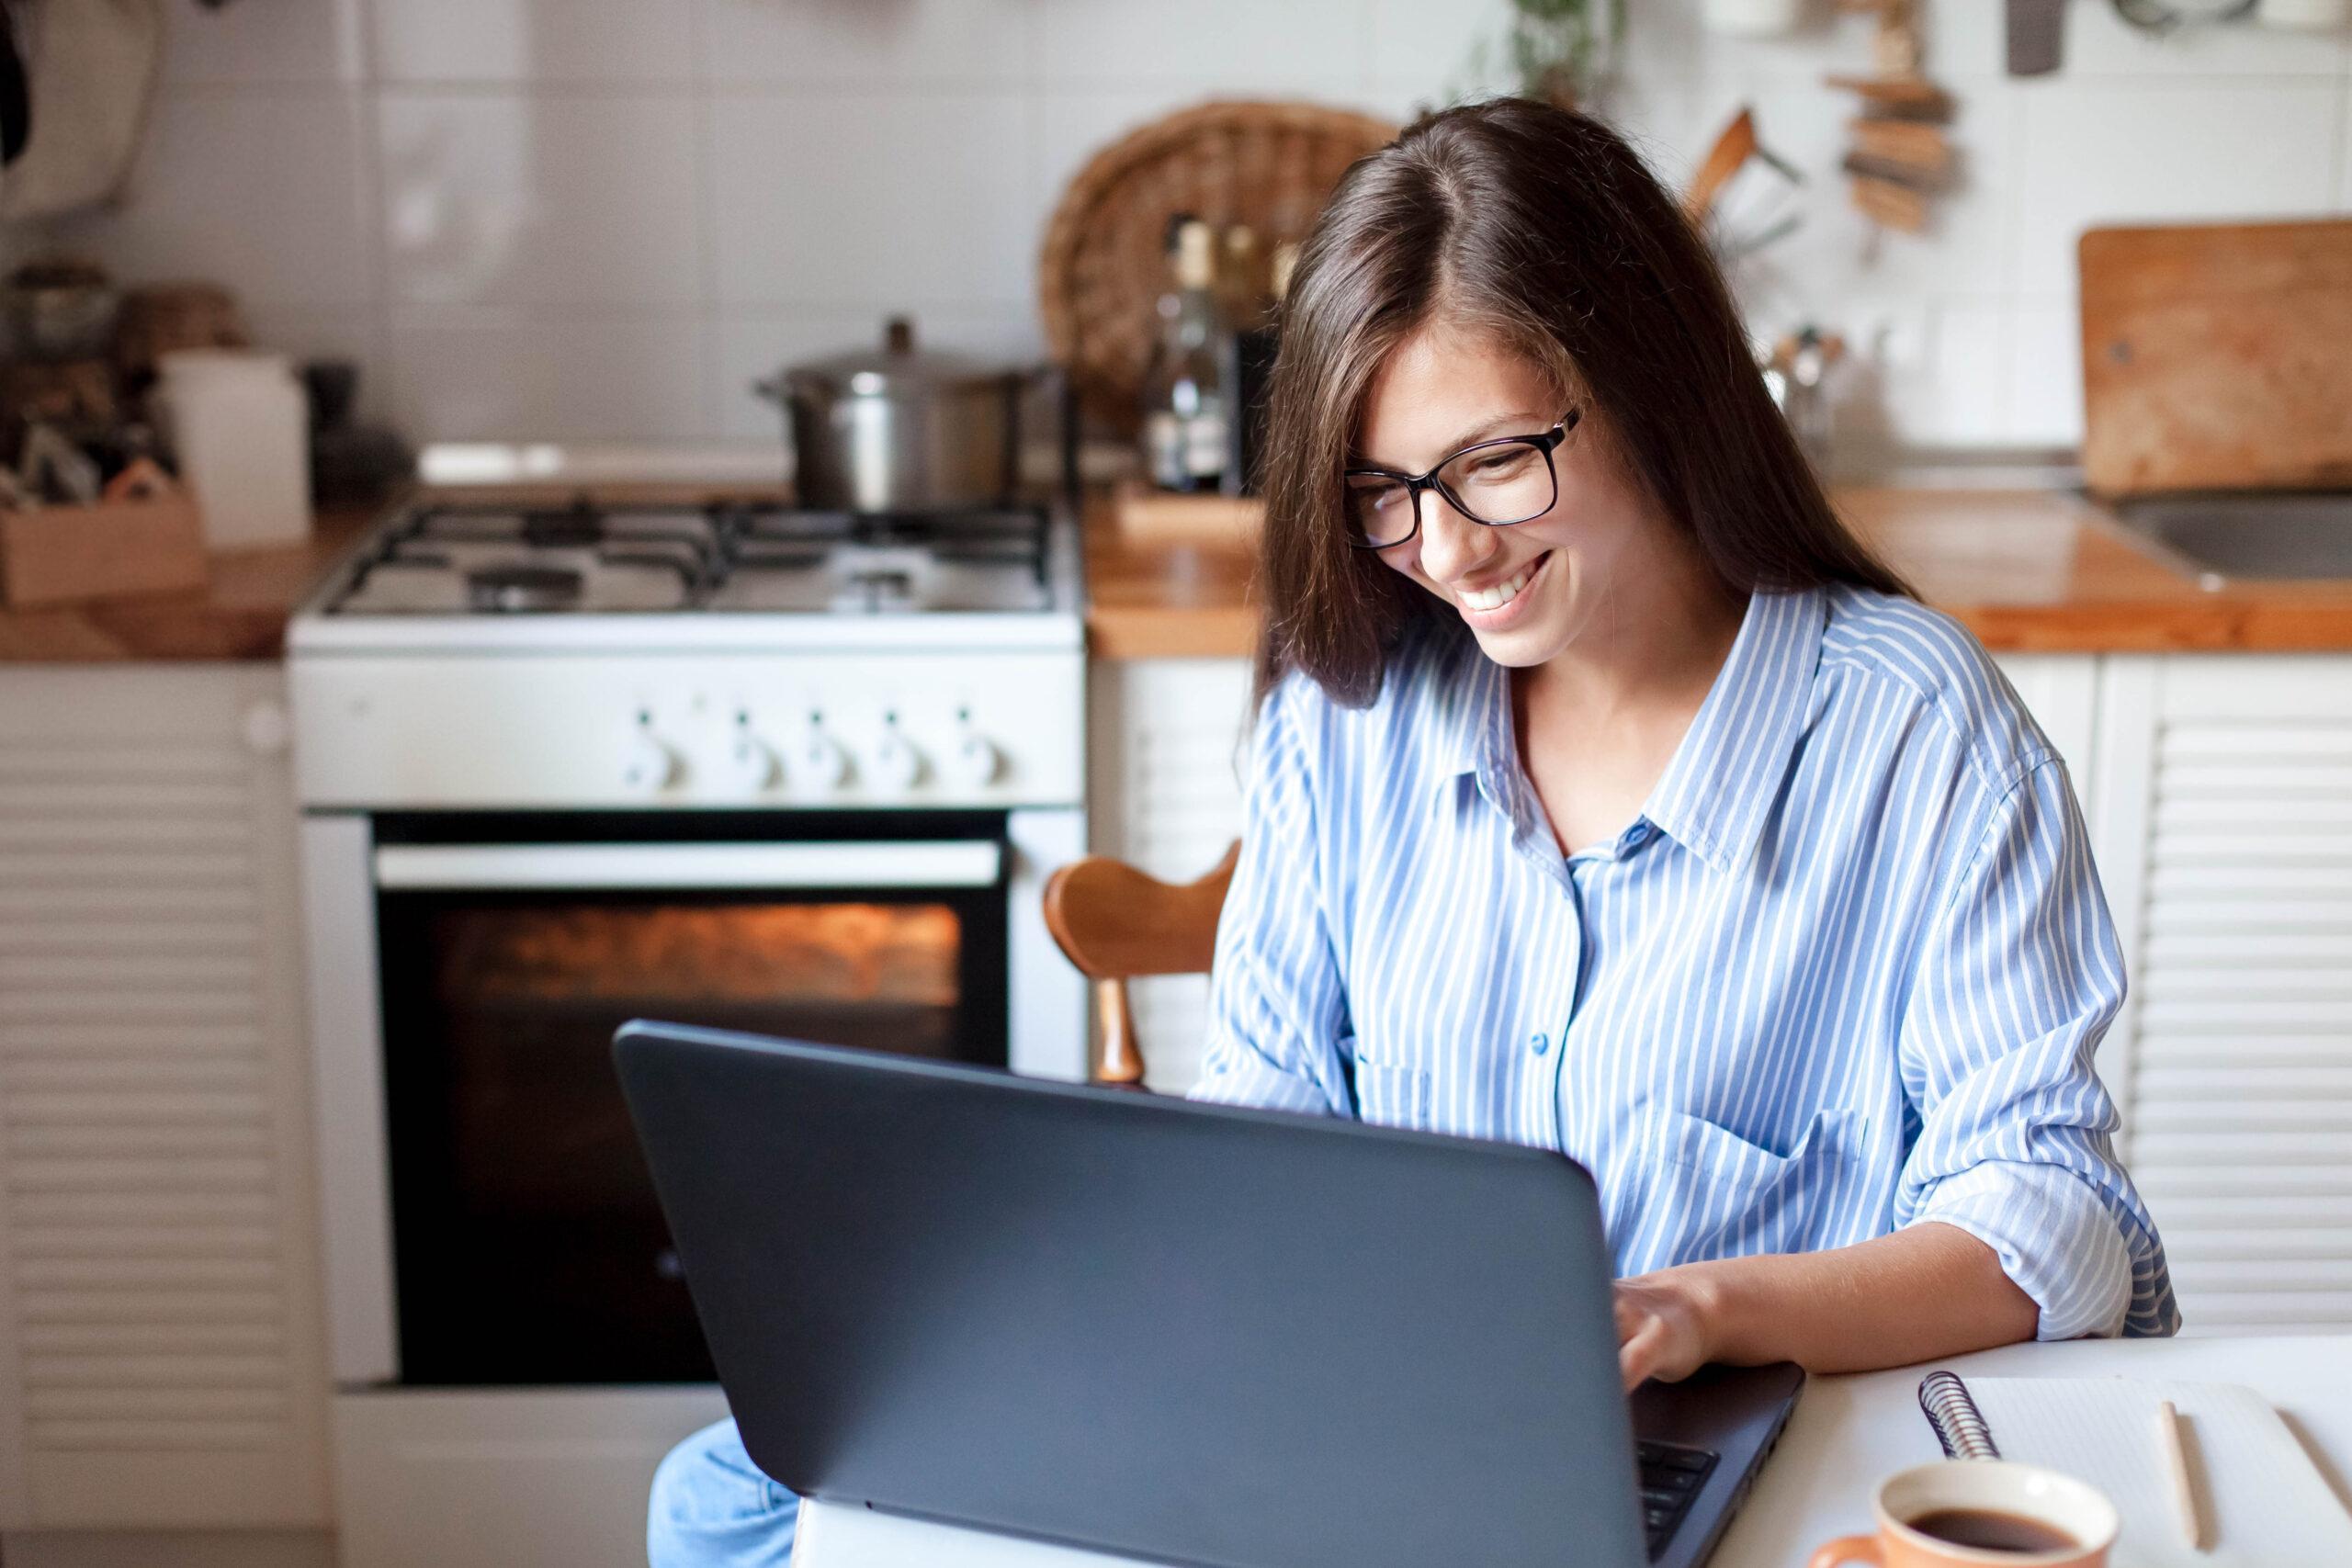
(1559, 50)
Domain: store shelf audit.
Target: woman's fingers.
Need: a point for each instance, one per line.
(1662, 1324)
(1638, 1354)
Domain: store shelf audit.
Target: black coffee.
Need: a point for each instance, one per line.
(1989, 1530)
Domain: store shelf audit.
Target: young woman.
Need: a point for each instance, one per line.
(1608, 795)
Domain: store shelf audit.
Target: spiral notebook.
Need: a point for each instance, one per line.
(2264, 1502)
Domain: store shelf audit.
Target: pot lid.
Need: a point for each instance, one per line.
(896, 369)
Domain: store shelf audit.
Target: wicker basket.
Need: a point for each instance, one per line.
(1270, 166)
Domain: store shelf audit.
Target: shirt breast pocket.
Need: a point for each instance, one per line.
(1716, 1194)
(1391, 1094)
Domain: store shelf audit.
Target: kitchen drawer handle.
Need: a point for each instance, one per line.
(954, 862)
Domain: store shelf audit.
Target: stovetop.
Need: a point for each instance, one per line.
(586, 558)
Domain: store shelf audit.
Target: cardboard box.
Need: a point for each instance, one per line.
(145, 538)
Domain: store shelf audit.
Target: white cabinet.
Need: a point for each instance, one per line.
(161, 1362)
(1164, 783)
(2224, 815)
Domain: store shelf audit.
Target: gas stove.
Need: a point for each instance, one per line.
(592, 648)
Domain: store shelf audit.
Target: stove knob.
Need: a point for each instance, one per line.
(976, 759)
(749, 765)
(819, 762)
(649, 766)
(895, 763)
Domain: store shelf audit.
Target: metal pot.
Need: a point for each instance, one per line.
(900, 430)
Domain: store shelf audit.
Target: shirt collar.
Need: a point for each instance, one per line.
(1477, 727)
(1725, 776)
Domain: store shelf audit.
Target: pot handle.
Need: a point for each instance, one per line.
(772, 388)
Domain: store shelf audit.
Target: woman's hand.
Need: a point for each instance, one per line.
(1666, 1323)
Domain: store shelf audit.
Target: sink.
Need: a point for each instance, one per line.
(2301, 535)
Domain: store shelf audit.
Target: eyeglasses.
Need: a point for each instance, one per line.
(1500, 482)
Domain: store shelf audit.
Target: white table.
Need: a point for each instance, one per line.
(1847, 1432)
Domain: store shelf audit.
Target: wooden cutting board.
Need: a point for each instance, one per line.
(2217, 356)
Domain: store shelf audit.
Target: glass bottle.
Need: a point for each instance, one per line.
(1185, 412)
(1250, 368)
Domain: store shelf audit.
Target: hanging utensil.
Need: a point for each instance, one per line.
(16, 97)
(2036, 35)
(1744, 197)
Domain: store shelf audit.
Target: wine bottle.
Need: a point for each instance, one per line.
(1249, 365)
(1185, 397)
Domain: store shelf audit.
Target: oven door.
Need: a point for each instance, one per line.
(526, 1243)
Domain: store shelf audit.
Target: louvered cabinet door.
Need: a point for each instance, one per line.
(1166, 784)
(2226, 807)
(161, 1354)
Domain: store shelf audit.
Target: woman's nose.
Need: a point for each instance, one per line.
(1452, 544)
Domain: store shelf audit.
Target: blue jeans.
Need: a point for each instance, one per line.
(712, 1508)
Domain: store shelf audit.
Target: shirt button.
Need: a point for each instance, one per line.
(1539, 1043)
(1637, 835)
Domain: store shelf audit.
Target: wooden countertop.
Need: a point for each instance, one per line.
(240, 614)
(2029, 570)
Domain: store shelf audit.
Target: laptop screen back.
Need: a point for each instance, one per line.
(1194, 1333)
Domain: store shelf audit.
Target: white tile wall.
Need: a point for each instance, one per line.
(543, 201)
(1226, 46)
(267, 190)
(263, 40)
(533, 40)
(842, 199)
(606, 217)
(2344, 156)
(858, 44)
(2045, 369)
(472, 375)
(2124, 153)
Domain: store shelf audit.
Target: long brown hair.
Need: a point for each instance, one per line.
(1541, 227)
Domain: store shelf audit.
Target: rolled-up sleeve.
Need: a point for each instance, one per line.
(2020, 976)
(1277, 1003)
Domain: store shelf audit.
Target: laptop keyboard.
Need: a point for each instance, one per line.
(1670, 1476)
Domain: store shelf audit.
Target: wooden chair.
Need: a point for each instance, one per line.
(1115, 922)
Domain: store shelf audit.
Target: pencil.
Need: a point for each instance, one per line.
(2184, 1495)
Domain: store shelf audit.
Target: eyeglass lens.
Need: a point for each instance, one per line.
(1507, 482)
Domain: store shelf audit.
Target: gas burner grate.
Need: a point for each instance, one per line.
(542, 559)
(509, 590)
(775, 537)
(545, 558)
(579, 526)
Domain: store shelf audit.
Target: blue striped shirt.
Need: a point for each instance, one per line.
(1844, 972)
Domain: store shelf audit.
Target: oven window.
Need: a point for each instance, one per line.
(529, 1247)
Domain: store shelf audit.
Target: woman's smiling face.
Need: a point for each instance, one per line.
(1530, 590)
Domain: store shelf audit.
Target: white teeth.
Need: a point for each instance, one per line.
(1497, 597)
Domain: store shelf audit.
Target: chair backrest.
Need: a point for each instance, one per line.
(1116, 922)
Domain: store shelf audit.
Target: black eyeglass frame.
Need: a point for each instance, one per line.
(1546, 443)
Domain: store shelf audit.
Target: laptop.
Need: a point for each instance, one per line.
(1185, 1333)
